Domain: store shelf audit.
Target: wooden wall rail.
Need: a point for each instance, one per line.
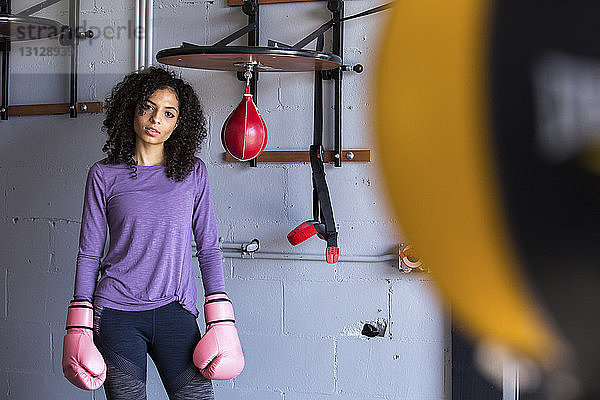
(52, 109)
(304, 156)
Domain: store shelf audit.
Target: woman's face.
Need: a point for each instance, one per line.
(156, 119)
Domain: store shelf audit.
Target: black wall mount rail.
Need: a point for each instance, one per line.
(282, 57)
(22, 27)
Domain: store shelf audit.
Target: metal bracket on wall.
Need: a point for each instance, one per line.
(279, 57)
(337, 23)
(295, 156)
(22, 26)
(54, 109)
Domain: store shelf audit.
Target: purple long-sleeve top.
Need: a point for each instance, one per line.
(151, 219)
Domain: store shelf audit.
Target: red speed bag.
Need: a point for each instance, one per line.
(244, 133)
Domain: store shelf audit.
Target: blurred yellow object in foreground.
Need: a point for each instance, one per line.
(431, 126)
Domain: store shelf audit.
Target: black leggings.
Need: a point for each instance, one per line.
(168, 334)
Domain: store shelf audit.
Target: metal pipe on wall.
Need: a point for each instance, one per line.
(136, 42)
(74, 25)
(141, 34)
(309, 257)
(5, 7)
(250, 250)
(148, 33)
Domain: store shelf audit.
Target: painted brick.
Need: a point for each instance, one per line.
(58, 332)
(357, 125)
(59, 289)
(172, 24)
(66, 246)
(361, 271)
(75, 133)
(4, 385)
(299, 363)
(266, 98)
(337, 396)
(227, 393)
(296, 94)
(42, 83)
(102, 77)
(3, 273)
(257, 304)
(112, 40)
(236, 183)
(24, 347)
(288, 270)
(224, 21)
(353, 181)
(288, 129)
(391, 368)
(2, 193)
(27, 386)
(25, 295)
(24, 244)
(218, 98)
(299, 196)
(331, 308)
(224, 385)
(356, 238)
(18, 141)
(58, 186)
(298, 22)
(416, 310)
(212, 149)
(104, 7)
(361, 183)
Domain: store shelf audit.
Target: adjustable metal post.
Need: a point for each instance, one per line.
(250, 8)
(5, 47)
(74, 36)
(337, 8)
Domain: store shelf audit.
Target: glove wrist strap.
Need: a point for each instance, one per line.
(80, 315)
(218, 310)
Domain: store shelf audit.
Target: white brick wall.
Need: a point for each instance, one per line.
(299, 321)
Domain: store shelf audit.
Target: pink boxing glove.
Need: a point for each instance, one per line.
(218, 354)
(82, 363)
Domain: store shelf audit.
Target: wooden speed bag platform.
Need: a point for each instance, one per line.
(237, 58)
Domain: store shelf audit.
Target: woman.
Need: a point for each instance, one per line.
(152, 192)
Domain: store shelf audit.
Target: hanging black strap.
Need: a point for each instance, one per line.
(322, 209)
(320, 187)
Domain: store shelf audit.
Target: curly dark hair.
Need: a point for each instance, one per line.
(133, 91)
